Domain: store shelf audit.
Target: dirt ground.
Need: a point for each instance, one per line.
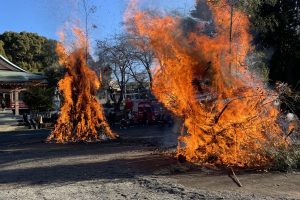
(131, 168)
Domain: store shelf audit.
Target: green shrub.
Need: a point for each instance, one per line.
(285, 159)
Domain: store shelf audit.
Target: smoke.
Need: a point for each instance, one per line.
(203, 78)
(82, 118)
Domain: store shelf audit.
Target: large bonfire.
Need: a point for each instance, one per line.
(81, 116)
(229, 114)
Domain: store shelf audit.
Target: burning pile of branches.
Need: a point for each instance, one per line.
(81, 117)
(229, 114)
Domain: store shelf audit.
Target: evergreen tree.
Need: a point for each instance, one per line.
(2, 51)
(29, 50)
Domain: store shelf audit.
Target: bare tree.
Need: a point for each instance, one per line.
(117, 55)
(139, 75)
(144, 56)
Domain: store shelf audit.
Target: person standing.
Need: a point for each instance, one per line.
(144, 119)
(130, 118)
(40, 121)
(27, 120)
(3, 104)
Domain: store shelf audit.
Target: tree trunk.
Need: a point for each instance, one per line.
(230, 37)
(150, 77)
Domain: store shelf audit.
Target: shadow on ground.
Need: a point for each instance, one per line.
(26, 159)
(112, 169)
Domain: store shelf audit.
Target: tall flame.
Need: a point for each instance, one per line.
(229, 115)
(81, 117)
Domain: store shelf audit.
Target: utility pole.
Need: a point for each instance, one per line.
(230, 34)
(232, 4)
(87, 9)
(86, 15)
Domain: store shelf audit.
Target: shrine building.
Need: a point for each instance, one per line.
(13, 82)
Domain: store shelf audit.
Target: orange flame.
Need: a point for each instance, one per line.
(82, 116)
(228, 113)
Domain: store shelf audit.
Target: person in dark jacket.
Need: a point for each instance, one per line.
(3, 104)
(27, 122)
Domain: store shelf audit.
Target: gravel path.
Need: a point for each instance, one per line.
(130, 168)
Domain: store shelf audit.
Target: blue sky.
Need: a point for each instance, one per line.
(47, 17)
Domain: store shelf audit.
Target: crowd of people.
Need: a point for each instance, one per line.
(143, 113)
(128, 118)
(33, 120)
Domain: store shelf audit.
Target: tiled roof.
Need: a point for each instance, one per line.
(11, 66)
(11, 76)
(11, 73)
